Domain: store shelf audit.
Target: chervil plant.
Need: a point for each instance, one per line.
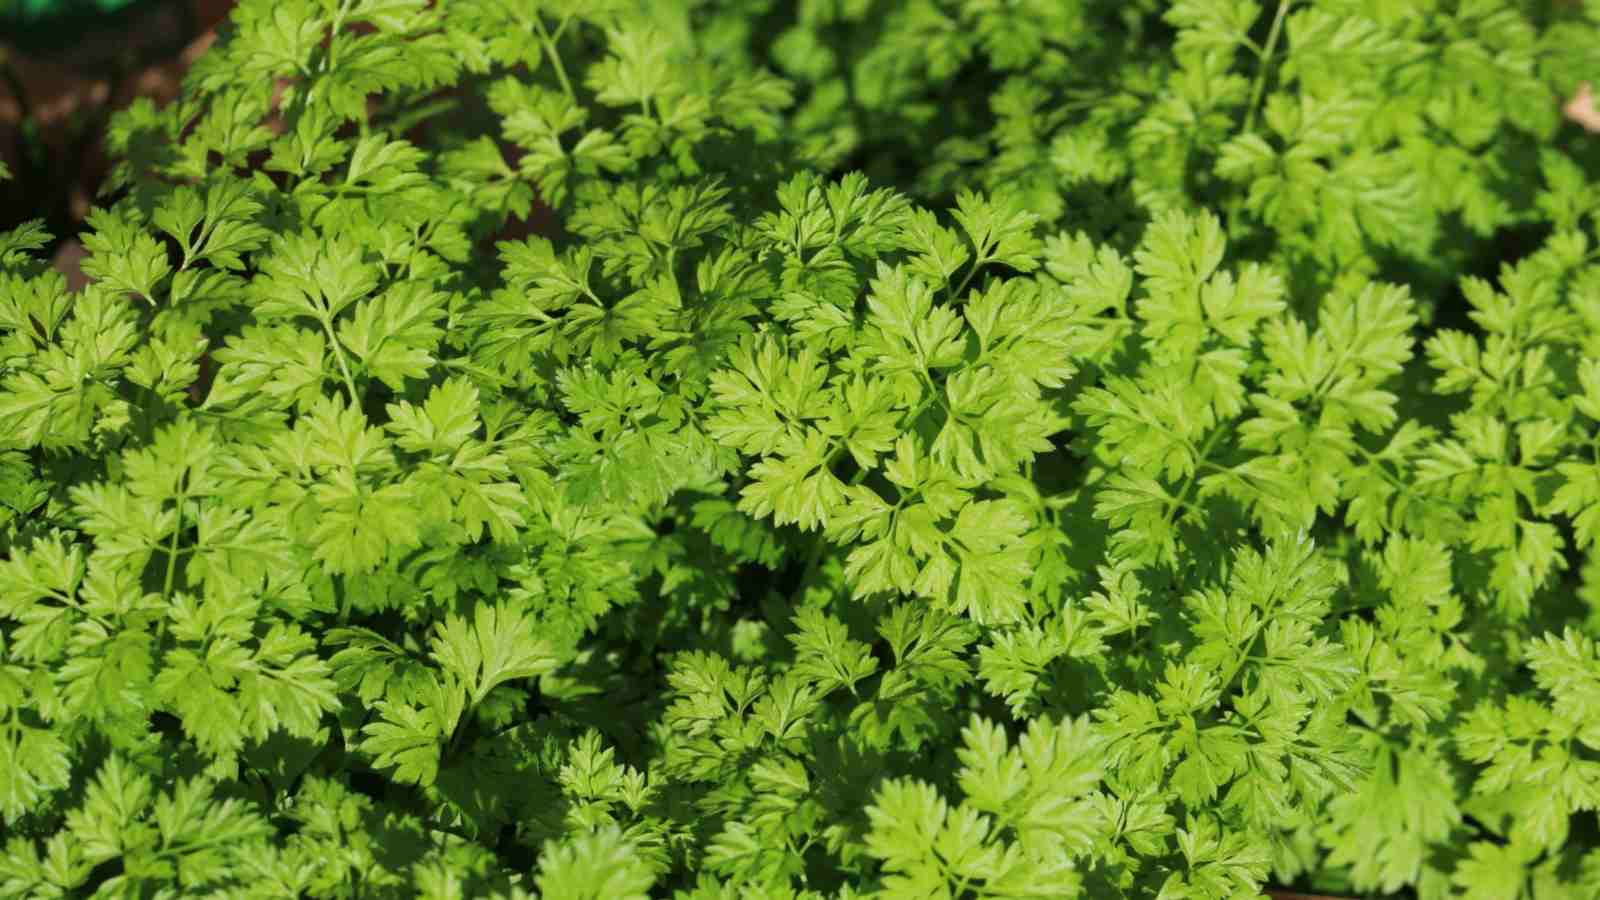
(915, 449)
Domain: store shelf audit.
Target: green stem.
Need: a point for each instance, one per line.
(454, 743)
(1244, 652)
(338, 353)
(1194, 477)
(977, 264)
(202, 844)
(172, 546)
(555, 57)
(1266, 58)
(333, 33)
(814, 560)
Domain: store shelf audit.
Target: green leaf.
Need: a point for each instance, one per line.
(1493, 870)
(826, 654)
(911, 335)
(990, 545)
(1000, 230)
(122, 256)
(768, 396)
(408, 736)
(394, 335)
(797, 488)
(1384, 831)
(499, 645)
(34, 763)
(596, 865)
(305, 275)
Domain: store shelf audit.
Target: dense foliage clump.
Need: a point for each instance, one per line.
(820, 449)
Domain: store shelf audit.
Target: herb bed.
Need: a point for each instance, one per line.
(830, 449)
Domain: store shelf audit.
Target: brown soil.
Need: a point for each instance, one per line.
(65, 103)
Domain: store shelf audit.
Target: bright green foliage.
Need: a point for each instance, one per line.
(834, 449)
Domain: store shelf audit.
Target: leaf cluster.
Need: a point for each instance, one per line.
(833, 449)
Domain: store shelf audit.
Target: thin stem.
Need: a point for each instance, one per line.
(338, 352)
(454, 743)
(1261, 71)
(172, 546)
(977, 264)
(1194, 477)
(555, 57)
(329, 61)
(814, 558)
(172, 559)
